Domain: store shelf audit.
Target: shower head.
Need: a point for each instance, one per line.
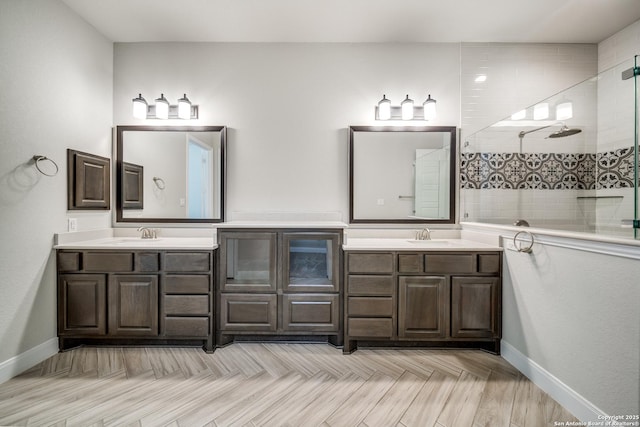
(565, 131)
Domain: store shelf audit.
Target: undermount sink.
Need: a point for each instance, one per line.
(434, 242)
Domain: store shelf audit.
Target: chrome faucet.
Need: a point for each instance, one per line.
(148, 233)
(424, 234)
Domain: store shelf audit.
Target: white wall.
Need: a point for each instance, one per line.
(287, 106)
(56, 86)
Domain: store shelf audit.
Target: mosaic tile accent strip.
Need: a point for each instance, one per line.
(615, 169)
(547, 171)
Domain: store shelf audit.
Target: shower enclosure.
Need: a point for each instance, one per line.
(569, 162)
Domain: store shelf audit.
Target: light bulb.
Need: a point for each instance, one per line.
(407, 109)
(162, 108)
(384, 108)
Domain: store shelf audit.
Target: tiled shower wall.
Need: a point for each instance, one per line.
(518, 75)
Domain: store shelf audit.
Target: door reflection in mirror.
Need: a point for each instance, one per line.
(402, 174)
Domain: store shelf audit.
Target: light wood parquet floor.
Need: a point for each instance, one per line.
(275, 385)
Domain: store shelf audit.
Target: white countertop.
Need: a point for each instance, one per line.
(130, 239)
(201, 243)
(384, 244)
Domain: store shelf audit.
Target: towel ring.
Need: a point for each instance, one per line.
(159, 182)
(37, 159)
(523, 248)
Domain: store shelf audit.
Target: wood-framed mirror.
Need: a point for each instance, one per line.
(402, 174)
(184, 174)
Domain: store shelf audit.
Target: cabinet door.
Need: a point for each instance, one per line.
(253, 312)
(310, 262)
(133, 305)
(82, 304)
(315, 313)
(248, 262)
(475, 307)
(423, 307)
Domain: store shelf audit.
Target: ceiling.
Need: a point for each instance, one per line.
(381, 21)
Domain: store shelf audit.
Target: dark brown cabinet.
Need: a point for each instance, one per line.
(82, 304)
(88, 181)
(423, 309)
(436, 298)
(133, 305)
(474, 307)
(279, 282)
(135, 297)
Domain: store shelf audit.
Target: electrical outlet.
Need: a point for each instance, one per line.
(380, 202)
(72, 224)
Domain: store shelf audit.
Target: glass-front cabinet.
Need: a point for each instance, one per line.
(308, 262)
(279, 282)
(250, 261)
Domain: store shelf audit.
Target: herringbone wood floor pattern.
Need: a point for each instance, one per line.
(275, 385)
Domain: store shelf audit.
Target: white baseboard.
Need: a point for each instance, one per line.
(580, 407)
(20, 363)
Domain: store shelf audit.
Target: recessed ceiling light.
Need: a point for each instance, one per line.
(481, 78)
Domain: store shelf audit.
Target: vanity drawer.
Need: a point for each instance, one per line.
(108, 261)
(371, 306)
(410, 263)
(187, 261)
(148, 261)
(69, 261)
(371, 285)
(449, 264)
(186, 326)
(187, 283)
(371, 263)
(488, 263)
(366, 327)
(188, 305)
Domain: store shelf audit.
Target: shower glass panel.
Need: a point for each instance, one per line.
(568, 162)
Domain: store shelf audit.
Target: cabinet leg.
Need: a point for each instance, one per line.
(208, 346)
(349, 346)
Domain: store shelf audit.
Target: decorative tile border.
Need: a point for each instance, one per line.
(547, 171)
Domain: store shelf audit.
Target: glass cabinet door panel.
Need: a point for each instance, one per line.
(250, 262)
(310, 262)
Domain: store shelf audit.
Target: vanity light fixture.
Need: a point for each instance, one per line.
(429, 108)
(384, 108)
(406, 110)
(162, 110)
(184, 107)
(162, 107)
(140, 107)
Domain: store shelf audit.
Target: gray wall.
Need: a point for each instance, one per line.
(56, 76)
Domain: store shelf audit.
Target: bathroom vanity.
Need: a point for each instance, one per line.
(130, 291)
(444, 293)
(278, 282)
